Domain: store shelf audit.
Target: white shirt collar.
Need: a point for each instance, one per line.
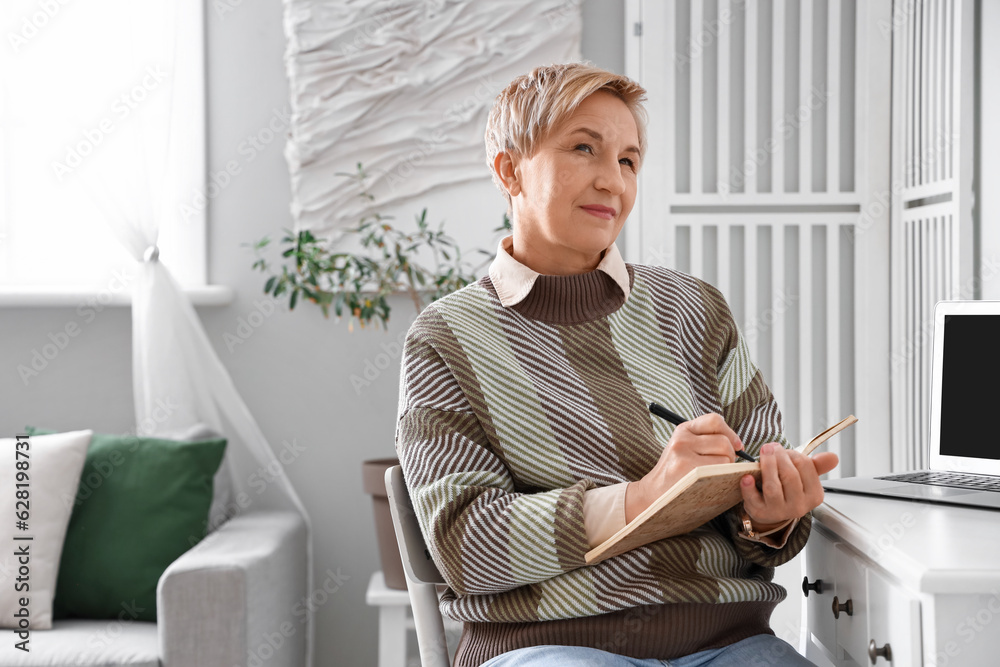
(513, 280)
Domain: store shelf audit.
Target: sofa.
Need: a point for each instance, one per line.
(237, 598)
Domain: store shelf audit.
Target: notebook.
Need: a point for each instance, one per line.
(964, 442)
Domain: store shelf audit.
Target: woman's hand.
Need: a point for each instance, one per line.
(705, 440)
(790, 485)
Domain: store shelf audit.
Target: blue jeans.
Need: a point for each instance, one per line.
(756, 651)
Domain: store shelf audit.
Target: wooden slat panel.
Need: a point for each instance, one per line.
(927, 256)
(805, 90)
(908, 105)
(697, 98)
(722, 239)
(925, 101)
(937, 130)
(778, 96)
(952, 277)
(913, 104)
(950, 76)
(906, 364)
(807, 422)
(697, 248)
(832, 319)
(941, 281)
(722, 99)
(761, 198)
(778, 329)
(917, 48)
(750, 96)
(932, 67)
(761, 219)
(833, 88)
(945, 186)
(752, 265)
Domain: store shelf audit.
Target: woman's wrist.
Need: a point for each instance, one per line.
(635, 501)
(763, 526)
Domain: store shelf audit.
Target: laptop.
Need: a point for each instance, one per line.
(965, 405)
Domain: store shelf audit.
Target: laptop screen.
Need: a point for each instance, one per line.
(970, 386)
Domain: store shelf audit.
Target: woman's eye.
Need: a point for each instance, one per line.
(585, 147)
(628, 161)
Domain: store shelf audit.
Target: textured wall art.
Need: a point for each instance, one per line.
(404, 86)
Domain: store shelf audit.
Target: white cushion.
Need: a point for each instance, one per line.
(82, 643)
(54, 464)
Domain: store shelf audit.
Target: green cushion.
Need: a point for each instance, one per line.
(141, 503)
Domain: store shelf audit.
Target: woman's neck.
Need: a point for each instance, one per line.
(551, 260)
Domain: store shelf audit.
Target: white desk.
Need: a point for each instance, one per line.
(922, 578)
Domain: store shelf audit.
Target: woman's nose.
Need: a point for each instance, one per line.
(610, 178)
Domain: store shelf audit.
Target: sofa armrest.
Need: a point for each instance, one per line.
(237, 596)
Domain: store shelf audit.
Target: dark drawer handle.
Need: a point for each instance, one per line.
(874, 653)
(838, 607)
(815, 586)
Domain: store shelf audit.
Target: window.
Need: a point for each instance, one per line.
(98, 99)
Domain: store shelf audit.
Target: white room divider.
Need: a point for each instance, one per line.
(932, 223)
(768, 176)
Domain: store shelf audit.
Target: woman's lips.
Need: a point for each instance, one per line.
(602, 212)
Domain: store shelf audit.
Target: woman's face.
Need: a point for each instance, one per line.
(571, 198)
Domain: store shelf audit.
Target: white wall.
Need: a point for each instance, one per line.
(294, 371)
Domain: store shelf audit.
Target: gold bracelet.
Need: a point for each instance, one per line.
(747, 524)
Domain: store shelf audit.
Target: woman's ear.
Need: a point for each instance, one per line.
(505, 166)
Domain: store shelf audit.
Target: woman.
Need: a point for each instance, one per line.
(523, 428)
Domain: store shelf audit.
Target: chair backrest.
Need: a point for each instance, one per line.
(422, 574)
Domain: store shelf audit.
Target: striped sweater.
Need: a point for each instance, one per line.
(508, 416)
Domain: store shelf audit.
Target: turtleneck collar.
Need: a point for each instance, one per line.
(560, 299)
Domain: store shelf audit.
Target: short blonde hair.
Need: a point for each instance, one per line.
(534, 103)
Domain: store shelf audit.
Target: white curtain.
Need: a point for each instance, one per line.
(179, 381)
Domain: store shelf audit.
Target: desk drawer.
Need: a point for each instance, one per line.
(870, 607)
(819, 568)
(893, 620)
(851, 596)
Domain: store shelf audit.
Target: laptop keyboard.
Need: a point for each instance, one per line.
(953, 479)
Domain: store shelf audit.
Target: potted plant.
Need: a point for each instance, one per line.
(424, 263)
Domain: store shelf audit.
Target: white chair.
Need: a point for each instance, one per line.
(422, 575)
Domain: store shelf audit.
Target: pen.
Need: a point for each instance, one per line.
(677, 420)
